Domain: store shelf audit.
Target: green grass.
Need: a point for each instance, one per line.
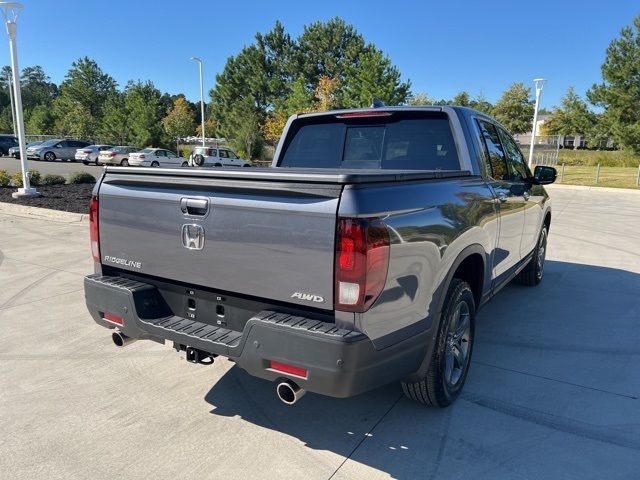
(618, 177)
(616, 158)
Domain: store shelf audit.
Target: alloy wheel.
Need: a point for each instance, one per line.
(457, 344)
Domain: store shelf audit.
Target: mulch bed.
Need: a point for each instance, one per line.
(68, 198)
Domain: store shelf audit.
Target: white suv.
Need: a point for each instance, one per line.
(216, 157)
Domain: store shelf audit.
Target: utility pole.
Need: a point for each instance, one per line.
(539, 84)
(199, 60)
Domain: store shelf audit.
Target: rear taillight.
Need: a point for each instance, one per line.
(93, 229)
(141, 156)
(87, 151)
(362, 260)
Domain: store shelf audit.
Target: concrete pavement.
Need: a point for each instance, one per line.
(11, 165)
(553, 391)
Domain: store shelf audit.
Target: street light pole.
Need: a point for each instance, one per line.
(10, 10)
(539, 84)
(13, 107)
(199, 60)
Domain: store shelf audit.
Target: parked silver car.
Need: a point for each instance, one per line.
(116, 155)
(90, 154)
(15, 151)
(58, 149)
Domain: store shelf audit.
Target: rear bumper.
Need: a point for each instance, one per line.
(340, 363)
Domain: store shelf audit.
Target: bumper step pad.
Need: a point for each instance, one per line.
(199, 330)
(158, 321)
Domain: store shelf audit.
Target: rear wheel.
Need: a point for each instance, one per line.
(49, 156)
(124, 162)
(185, 164)
(155, 164)
(451, 356)
(246, 165)
(532, 274)
(217, 164)
(84, 162)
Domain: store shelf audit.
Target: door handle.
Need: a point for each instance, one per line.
(197, 207)
(502, 197)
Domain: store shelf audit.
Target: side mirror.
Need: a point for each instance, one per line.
(543, 175)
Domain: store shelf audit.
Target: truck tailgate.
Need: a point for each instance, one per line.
(243, 235)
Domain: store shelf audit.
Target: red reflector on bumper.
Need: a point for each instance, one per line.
(290, 369)
(113, 319)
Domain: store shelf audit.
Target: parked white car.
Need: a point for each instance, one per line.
(216, 157)
(90, 153)
(156, 157)
(117, 155)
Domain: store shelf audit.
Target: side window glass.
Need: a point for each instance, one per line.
(494, 151)
(223, 154)
(231, 154)
(214, 152)
(515, 159)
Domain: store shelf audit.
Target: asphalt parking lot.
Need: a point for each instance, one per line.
(11, 165)
(553, 391)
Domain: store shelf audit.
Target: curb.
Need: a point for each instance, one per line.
(560, 186)
(42, 213)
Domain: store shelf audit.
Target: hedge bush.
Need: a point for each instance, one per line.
(52, 179)
(34, 178)
(81, 177)
(5, 179)
(16, 179)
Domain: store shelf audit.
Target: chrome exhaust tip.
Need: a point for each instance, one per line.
(120, 339)
(288, 392)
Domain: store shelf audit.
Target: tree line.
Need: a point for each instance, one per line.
(329, 65)
(89, 105)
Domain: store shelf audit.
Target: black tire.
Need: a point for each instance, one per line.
(84, 162)
(155, 164)
(532, 274)
(246, 165)
(50, 156)
(198, 160)
(444, 381)
(124, 162)
(184, 164)
(217, 164)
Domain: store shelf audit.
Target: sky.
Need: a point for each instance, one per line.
(442, 47)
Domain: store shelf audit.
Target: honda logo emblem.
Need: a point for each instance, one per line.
(192, 236)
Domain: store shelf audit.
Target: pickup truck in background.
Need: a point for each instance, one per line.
(358, 259)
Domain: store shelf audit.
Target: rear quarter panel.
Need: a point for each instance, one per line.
(430, 224)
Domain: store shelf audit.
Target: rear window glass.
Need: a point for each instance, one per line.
(403, 140)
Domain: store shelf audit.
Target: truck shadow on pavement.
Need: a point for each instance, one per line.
(536, 350)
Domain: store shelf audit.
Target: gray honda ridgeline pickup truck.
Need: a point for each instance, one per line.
(359, 259)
